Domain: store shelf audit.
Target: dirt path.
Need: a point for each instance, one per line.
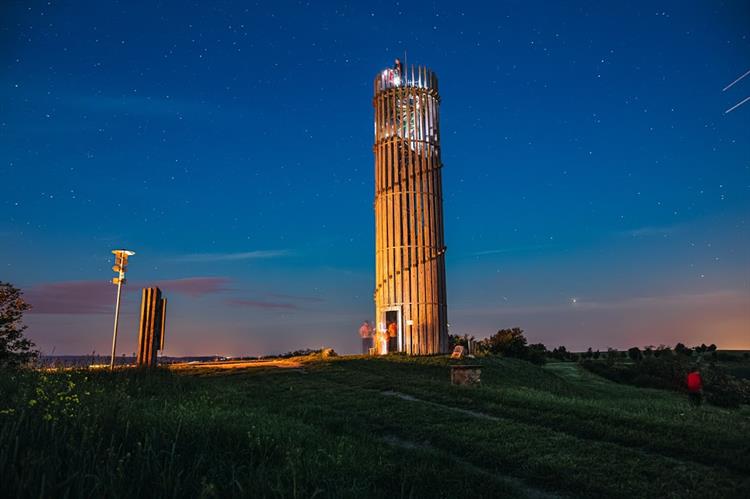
(468, 412)
(239, 364)
(531, 492)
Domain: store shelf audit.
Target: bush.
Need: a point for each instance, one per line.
(612, 355)
(726, 398)
(722, 389)
(618, 374)
(663, 351)
(537, 354)
(635, 354)
(509, 342)
(681, 349)
(560, 353)
(512, 343)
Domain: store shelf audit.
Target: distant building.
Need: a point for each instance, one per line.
(410, 295)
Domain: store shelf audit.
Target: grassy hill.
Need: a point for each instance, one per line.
(363, 427)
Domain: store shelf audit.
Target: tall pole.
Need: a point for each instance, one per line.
(117, 319)
(121, 263)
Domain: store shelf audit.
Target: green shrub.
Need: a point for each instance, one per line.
(635, 354)
(509, 342)
(722, 389)
(537, 354)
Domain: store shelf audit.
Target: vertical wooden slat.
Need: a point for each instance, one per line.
(397, 211)
(409, 225)
(429, 230)
(420, 220)
(426, 219)
(414, 222)
(141, 324)
(163, 323)
(411, 283)
(151, 327)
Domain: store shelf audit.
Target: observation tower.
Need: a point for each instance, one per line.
(410, 296)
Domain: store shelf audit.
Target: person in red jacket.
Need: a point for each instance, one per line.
(695, 387)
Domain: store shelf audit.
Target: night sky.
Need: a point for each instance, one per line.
(596, 192)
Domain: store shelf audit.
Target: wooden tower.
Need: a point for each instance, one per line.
(152, 327)
(410, 296)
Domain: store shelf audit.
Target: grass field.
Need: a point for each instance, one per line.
(363, 427)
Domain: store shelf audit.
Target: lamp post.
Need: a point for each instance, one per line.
(120, 266)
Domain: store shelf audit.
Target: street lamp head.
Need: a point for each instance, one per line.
(123, 251)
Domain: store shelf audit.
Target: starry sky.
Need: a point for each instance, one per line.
(596, 192)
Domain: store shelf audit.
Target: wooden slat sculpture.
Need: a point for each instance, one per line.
(410, 295)
(152, 326)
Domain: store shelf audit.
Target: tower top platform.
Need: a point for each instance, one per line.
(408, 76)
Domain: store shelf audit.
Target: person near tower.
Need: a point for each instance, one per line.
(392, 337)
(695, 387)
(365, 332)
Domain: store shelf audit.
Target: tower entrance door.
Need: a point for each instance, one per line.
(393, 329)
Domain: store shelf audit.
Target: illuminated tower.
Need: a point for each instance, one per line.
(409, 242)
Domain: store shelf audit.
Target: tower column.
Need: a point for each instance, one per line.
(410, 291)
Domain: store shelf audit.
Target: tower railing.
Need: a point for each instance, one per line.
(413, 76)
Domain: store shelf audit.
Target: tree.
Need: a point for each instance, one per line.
(15, 349)
(509, 342)
(537, 353)
(681, 349)
(612, 355)
(663, 351)
(635, 354)
(560, 353)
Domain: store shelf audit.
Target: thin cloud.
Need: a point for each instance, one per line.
(516, 249)
(316, 299)
(229, 257)
(71, 297)
(98, 297)
(723, 297)
(262, 304)
(194, 286)
(650, 231)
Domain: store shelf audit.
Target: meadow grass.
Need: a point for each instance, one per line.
(362, 427)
